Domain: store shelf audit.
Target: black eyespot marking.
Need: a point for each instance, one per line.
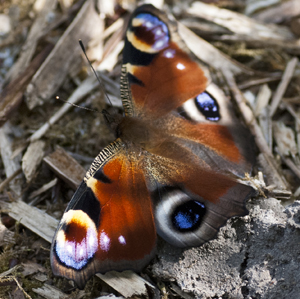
(134, 56)
(134, 80)
(188, 216)
(89, 204)
(208, 106)
(100, 176)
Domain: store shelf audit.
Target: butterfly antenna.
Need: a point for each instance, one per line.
(99, 80)
(72, 104)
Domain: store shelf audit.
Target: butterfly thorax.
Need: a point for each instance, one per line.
(140, 133)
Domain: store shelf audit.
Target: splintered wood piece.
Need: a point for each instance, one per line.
(262, 111)
(36, 30)
(6, 236)
(65, 167)
(252, 6)
(285, 139)
(277, 14)
(289, 162)
(119, 281)
(265, 123)
(30, 268)
(43, 189)
(296, 115)
(113, 42)
(9, 179)
(119, 23)
(10, 271)
(12, 95)
(50, 292)
(254, 82)
(112, 58)
(208, 53)
(127, 283)
(262, 99)
(286, 78)
(34, 219)
(10, 165)
(66, 52)
(238, 23)
(32, 158)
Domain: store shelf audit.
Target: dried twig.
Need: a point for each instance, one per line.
(253, 126)
(287, 75)
(9, 179)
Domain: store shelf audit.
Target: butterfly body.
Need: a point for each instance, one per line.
(172, 169)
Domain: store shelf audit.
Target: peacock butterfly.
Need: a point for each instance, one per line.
(172, 170)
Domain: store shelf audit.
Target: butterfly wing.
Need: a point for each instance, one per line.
(192, 202)
(161, 77)
(158, 73)
(108, 225)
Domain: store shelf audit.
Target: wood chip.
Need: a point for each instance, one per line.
(112, 58)
(289, 162)
(30, 268)
(262, 99)
(285, 139)
(65, 167)
(6, 236)
(270, 171)
(10, 165)
(277, 14)
(109, 297)
(254, 5)
(51, 74)
(28, 49)
(33, 218)
(117, 25)
(43, 189)
(208, 53)
(10, 271)
(265, 123)
(50, 292)
(9, 179)
(32, 158)
(255, 82)
(12, 95)
(41, 277)
(119, 281)
(238, 23)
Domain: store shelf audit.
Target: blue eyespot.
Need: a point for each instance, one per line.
(188, 216)
(208, 106)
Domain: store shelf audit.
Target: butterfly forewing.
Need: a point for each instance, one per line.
(108, 224)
